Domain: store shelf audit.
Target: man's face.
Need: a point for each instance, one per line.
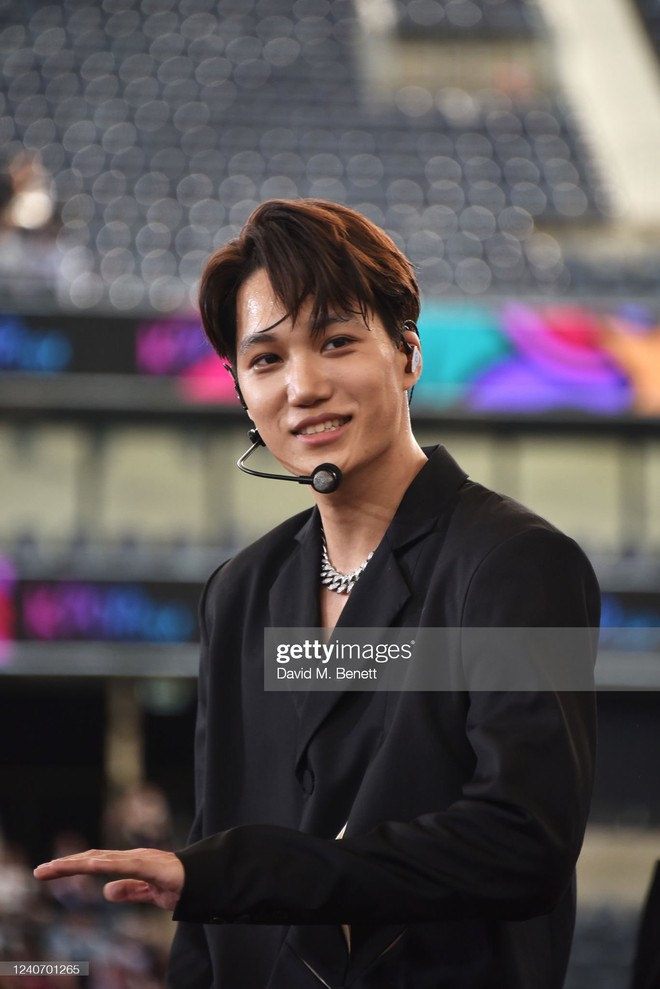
(337, 395)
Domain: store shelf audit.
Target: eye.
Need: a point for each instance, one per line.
(338, 342)
(264, 360)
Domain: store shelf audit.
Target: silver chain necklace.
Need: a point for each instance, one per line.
(342, 583)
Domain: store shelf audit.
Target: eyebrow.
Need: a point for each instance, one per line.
(265, 336)
(260, 336)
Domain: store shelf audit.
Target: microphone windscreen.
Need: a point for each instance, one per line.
(326, 478)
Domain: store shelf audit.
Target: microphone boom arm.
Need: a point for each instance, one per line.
(325, 478)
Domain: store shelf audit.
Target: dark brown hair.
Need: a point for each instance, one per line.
(315, 249)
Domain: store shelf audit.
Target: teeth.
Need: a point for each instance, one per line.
(323, 427)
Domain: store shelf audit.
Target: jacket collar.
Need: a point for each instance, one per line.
(428, 497)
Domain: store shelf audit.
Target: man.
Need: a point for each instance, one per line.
(422, 838)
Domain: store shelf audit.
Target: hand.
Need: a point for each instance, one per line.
(152, 876)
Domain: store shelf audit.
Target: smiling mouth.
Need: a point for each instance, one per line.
(323, 427)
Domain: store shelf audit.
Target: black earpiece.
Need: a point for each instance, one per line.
(255, 437)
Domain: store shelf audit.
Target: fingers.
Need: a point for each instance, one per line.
(150, 864)
(92, 861)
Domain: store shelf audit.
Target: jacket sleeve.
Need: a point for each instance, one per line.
(506, 848)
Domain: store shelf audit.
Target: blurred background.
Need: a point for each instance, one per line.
(512, 149)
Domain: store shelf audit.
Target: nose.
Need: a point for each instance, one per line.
(307, 381)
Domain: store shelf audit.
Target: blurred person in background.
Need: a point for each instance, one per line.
(419, 838)
(139, 816)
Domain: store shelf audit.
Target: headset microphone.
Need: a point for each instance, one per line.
(325, 478)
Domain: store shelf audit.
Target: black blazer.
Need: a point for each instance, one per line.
(464, 811)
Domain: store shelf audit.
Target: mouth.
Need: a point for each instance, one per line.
(311, 428)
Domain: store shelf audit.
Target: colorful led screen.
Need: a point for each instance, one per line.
(499, 359)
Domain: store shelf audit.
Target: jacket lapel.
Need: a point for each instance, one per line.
(294, 594)
(294, 598)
